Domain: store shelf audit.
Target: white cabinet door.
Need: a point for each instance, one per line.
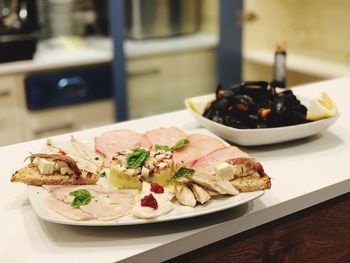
(46, 123)
(160, 84)
(9, 115)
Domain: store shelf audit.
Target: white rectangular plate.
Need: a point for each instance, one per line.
(37, 195)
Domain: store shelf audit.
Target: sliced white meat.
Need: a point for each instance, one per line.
(111, 142)
(205, 169)
(199, 146)
(64, 209)
(106, 204)
(165, 136)
(61, 192)
(109, 207)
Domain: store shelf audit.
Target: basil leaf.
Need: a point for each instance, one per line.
(137, 158)
(180, 144)
(162, 147)
(183, 171)
(82, 197)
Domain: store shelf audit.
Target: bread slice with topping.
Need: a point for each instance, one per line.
(249, 175)
(53, 169)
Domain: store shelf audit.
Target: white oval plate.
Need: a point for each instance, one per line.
(253, 137)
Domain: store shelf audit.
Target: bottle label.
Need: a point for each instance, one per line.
(280, 68)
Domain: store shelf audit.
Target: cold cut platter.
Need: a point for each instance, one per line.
(123, 177)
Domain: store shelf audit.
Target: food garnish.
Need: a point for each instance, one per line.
(321, 108)
(81, 197)
(183, 172)
(150, 201)
(162, 147)
(137, 157)
(157, 188)
(181, 143)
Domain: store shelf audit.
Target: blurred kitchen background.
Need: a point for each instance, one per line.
(67, 65)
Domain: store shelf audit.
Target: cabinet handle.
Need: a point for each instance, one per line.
(246, 16)
(4, 93)
(64, 126)
(150, 71)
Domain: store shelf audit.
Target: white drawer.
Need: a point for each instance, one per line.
(9, 128)
(8, 98)
(66, 119)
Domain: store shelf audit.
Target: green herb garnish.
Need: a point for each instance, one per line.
(103, 174)
(137, 158)
(183, 171)
(82, 197)
(162, 147)
(181, 143)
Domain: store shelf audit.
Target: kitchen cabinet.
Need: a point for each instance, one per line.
(160, 83)
(46, 123)
(10, 131)
(17, 123)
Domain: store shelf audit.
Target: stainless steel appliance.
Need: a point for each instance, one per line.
(161, 18)
(18, 29)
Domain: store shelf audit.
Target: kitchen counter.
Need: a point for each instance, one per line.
(100, 50)
(304, 173)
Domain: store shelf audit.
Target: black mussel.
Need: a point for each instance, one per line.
(243, 103)
(235, 122)
(221, 92)
(255, 105)
(258, 90)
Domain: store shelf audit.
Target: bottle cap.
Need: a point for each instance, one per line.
(281, 46)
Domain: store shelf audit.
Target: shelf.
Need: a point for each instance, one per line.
(301, 63)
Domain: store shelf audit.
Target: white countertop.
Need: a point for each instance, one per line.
(304, 173)
(100, 50)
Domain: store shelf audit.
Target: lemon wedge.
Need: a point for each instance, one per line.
(321, 108)
(198, 105)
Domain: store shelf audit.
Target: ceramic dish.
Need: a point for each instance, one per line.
(254, 137)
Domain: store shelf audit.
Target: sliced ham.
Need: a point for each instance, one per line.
(218, 156)
(111, 142)
(165, 136)
(65, 210)
(200, 145)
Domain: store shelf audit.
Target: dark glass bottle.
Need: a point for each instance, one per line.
(279, 66)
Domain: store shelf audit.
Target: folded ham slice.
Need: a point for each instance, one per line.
(165, 136)
(111, 142)
(217, 156)
(200, 145)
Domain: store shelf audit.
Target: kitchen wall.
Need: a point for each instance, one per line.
(314, 28)
(315, 31)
